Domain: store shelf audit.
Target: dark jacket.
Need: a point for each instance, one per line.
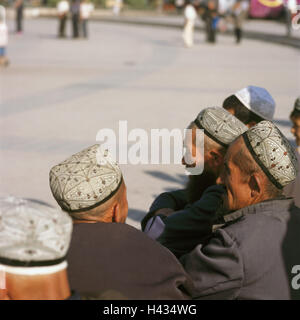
(183, 230)
(115, 258)
(251, 257)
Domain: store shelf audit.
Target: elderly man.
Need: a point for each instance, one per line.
(251, 105)
(34, 240)
(107, 256)
(220, 129)
(255, 254)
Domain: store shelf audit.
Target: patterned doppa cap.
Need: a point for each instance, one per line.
(220, 125)
(297, 104)
(258, 100)
(85, 180)
(273, 152)
(32, 233)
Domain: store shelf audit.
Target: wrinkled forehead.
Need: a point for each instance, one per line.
(232, 153)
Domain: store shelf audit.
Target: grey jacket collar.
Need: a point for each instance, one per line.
(277, 208)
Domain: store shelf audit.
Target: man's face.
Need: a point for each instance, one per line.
(237, 187)
(194, 155)
(205, 176)
(296, 129)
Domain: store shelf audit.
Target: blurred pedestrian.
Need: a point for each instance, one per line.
(19, 6)
(117, 7)
(209, 15)
(190, 16)
(239, 14)
(86, 8)
(179, 4)
(63, 8)
(3, 37)
(75, 12)
(290, 8)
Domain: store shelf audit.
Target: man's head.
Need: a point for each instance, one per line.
(90, 187)
(220, 129)
(257, 166)
(295, 118)
(34, 240)
(251, 105)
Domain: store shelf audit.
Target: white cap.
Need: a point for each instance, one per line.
(258, 100)
(85, 180)
(32, 233)
(272, 152)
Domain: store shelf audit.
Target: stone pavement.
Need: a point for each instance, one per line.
(57, 94)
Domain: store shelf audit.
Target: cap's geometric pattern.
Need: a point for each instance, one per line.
(221, 125)
(32, 231)
(274, 151)
(258, 100)
(85, 179)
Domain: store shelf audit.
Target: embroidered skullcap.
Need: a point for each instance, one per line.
(272, 152)
(32, 233)
(297, 104)
(220, 125)
(85, 180)
(258, 100)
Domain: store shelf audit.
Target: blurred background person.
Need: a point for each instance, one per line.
(209, 10)
(75, 13)
(3, 37)
(19, 6)
(290, 9)
(179, 4)
(63, 8)
(117, 7)
(190, 16)
(86, 8)
(239, 14)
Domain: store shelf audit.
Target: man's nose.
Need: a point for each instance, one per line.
(220, 179)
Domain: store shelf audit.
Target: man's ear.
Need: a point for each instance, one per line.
(117, 217)
(251, 124)
(255, 184)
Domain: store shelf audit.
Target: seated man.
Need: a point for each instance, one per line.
(34, 240)
(220, 129)
(106, 255)
(251, 105)
(293, 189)
(254, 254)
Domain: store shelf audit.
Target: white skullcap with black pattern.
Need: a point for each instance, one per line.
(32, 233)
(273, 153)
(85, 180)
(220, 125)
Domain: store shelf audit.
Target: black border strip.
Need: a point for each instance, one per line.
(199, 125)
(259, 162)
(17, 263)
(94, 205)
